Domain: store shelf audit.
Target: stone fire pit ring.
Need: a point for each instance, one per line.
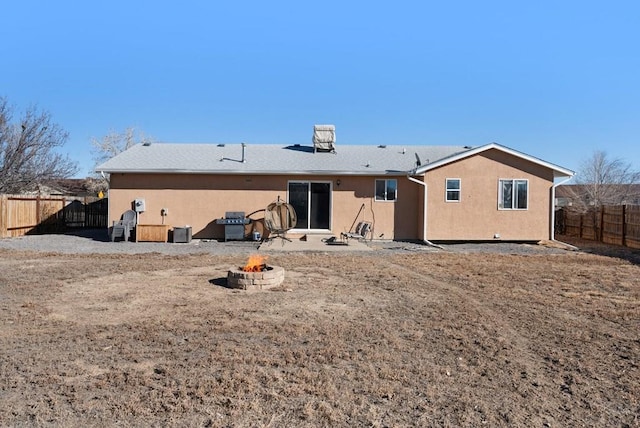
(269, 277)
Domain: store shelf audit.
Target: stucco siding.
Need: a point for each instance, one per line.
(477, 216)
(195, 200)
(408, 213)
(199, 199)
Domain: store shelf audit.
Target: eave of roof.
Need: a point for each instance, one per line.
(558, 170)
(252, 172)
(236, 159)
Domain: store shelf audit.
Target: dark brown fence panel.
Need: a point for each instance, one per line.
(612, 223)
(74, 214)
(89, 212)
(589, 225)
(572, 223)
(618, 225)
(96, 213)
(632, 226)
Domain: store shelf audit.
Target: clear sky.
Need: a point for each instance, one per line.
(554, 79)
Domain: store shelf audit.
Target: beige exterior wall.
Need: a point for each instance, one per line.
(476, 216)
(198, 200)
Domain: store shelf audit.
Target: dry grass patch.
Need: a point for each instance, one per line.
(380, 339)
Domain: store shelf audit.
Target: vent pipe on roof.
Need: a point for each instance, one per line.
(244, 146)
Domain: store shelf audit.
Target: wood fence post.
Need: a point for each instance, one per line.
(64, 221)
(3, 216)
(624, 225)
(601, 234)
(580, 226)
(64, 213)
(87, 212)
(38, 214)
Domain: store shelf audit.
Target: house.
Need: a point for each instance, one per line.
(79, 187)
(435, 193)
(581, 196)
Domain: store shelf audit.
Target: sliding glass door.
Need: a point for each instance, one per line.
(312, 202)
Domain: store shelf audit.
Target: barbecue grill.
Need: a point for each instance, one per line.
(233, 222)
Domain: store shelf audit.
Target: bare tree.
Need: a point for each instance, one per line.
(605, 181)
(111, 145)
(116, 142)
(602, 181)
(28, 150)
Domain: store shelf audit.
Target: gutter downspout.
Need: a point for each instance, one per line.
(424, 212)
(552, 226)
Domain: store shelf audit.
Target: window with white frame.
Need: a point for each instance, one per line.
(452, 192)
(386, 190)
(513, 194)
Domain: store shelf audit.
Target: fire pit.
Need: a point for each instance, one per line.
(255, 275)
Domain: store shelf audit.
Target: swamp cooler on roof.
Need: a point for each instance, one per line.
(324, 138)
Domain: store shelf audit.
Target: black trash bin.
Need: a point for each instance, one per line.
(182, 234)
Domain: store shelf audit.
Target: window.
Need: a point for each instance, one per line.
(513, 194)
(386, 190)
(452, 193)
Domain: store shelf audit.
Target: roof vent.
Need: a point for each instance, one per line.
(324, 138)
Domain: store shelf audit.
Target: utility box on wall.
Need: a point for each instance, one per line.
(138, 205)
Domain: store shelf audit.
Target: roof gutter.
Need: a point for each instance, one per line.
(254, 172)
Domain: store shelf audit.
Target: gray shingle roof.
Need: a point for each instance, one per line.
(275, 159)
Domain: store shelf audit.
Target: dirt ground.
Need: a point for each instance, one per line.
(350, 339)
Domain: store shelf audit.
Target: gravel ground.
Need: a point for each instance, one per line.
(97, 242)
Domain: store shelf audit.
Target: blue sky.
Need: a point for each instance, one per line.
(556, 80)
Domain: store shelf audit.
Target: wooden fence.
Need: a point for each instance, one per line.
(22, 215)
(619, 225)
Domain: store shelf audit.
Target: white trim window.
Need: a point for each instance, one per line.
(387, 189)
(513, 194)
(452, 190)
